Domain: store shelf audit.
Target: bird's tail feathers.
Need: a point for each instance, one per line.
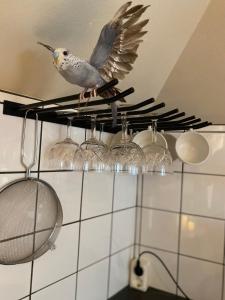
(113, 91)
(114, 113)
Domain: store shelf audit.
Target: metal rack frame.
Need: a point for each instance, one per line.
(139, 119)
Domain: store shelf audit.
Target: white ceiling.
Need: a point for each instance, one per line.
(26, 68)
(197, 81)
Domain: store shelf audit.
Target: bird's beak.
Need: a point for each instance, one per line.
(47, 46)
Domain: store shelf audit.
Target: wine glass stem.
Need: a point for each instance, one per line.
(68, 131)
(154, 130)
(101, 131)
(124, 129)
(93, 127)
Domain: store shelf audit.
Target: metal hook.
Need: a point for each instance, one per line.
(34, 160)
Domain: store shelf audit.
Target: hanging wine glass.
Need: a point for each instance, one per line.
(66, 155)
(158, 159)
(101, 132)
(126, 157)
(94, 151)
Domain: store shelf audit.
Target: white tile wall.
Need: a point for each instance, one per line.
(10, 135)
(123, 229)
(162, 192)
(119, 270)
(92, 282)
(204, 195)
(201, 280)
(64, 289)
(84, 243)
(192, 236)
(15, 281)
(95, 240)
(125, 191)
(97, 194)
(158, 277)
(160, 229)
(61, 262)
(189, 251)
(68, 188)
(202, 238)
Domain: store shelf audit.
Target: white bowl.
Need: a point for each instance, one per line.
(192, 148)
(145, 137)
(116, 138)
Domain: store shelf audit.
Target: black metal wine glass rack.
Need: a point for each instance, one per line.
(58, 111)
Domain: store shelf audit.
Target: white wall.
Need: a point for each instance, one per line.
(196, 83)
(96, 241)
(76, 25)
(183, 220)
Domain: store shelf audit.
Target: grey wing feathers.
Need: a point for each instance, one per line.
(116, 49)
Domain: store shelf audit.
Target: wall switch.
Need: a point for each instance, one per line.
(139, 282)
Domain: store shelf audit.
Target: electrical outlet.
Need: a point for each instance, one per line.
(139, 282)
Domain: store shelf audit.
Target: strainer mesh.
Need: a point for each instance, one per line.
(28, 215)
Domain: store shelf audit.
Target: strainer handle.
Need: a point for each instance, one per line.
(34, 160)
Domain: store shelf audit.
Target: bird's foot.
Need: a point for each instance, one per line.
(82, 97)
(93, 93)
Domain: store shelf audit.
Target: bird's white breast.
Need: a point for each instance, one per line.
(79, 72)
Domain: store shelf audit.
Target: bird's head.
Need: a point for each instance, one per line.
(59, 54)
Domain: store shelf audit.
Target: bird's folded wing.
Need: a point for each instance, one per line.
(116, 49)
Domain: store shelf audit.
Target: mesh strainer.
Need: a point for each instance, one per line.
(30, 214)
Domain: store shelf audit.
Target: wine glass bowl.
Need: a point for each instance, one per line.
(126, 156)
(63, 155)
(158, 159)
(66, 154)
(94, 155)
(164, 166)
(122, 157)
(94, 151)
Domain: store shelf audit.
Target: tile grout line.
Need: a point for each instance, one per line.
(183, 255)
(223, 272)
(179, 228)
(111, 236)
(64, 171)
(136, 214)
(159, 209)
(82, 269)
(50, 284)
(103, 258)
(205, 174)
(141, 213)
(38, 173)
(79, 234)
(77, 221)
(184, 213)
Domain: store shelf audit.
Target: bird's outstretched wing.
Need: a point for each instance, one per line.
(116, 49)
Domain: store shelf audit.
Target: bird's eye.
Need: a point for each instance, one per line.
(65, 53)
